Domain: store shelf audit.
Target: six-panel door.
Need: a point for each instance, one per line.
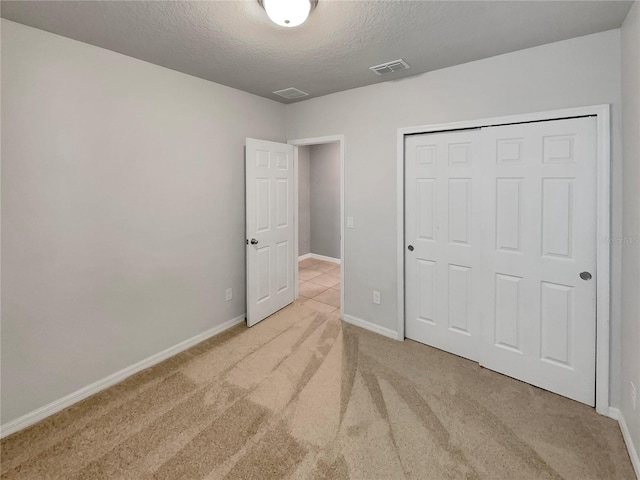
(270, 230)
(500, 241)
(443, 226)
(540, 315)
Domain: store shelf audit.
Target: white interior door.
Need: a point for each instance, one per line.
(540, 230)
(270, 231)
(443, 233)
(513, 268)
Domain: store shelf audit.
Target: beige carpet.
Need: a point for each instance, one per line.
(303, 396)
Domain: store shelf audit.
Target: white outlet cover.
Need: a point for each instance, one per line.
(349, 222)
(376, 298)
(228, 294)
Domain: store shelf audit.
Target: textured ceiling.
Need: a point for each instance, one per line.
(233, 42)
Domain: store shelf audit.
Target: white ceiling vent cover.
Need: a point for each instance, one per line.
(389, 67)
(291, 93)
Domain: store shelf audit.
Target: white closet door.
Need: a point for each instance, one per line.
(539, 227)
(442, 240)
(500, 233)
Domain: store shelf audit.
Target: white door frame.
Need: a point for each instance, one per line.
(603, 214)
(318, 141)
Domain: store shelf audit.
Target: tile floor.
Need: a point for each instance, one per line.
(319, 285)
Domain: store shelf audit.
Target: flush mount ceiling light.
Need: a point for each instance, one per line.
(288, 13)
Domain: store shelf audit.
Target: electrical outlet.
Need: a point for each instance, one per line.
(634, 397)
(228, 294)
(376, 297)
(349, 222)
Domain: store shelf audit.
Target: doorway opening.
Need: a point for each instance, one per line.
(319, 193)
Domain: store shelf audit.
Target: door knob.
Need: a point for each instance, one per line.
(410, 247)
(254, 241)
(585, 276)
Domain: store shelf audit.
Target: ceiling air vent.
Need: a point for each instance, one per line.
(291, 93)
(389, 67)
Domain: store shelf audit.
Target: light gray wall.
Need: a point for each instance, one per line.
(577, 72)
(631, 221)
(325, 199)
(304, 201)
(122, 211)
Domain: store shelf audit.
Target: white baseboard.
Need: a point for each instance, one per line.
(68, 400)
(315, 256)
(358, 322)
(633, 452)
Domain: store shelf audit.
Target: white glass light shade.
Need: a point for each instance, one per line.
(287, 13)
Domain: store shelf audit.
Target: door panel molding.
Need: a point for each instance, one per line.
(558, 151)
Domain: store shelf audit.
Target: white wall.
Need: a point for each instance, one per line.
(122, 210)
(577, 72)
(631, 222)
(325, 199)
(304, 201)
